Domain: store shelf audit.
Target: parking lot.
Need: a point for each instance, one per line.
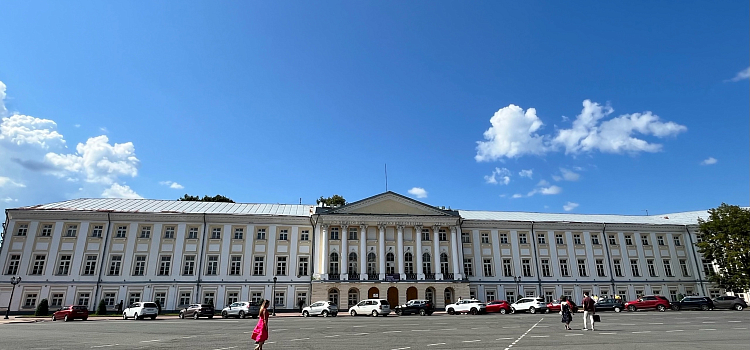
(639, 330)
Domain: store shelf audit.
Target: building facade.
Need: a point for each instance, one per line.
(386, 246)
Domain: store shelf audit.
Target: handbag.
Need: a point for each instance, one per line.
(597, 318)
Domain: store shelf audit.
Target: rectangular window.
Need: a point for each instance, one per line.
(503, 238)
(334, 234)
(57, 299)
(559, 240)
(468, 267)
(115, 263)
(353, 234)
(510, 296)
(140, 265)
(279, 298)
(684, 268)
(549, 296)
(564, 268)
(634, 268)
(281, 266)
(145, 232)
(232, 298)
(487, 267)
(582, 268)
(304, 235)
(239, 233)
(677, 240)
(644, 240)
(618, 267)
(13, 263)
(651, 267)
(97, 231)
(71, 231)
(442, 235)
(63, 268)
(192, 233)
(489, 295)
(160, 298)
(185, 298)
(507, 268)
(212, 266)
(545, 268)
(577, 239)
(90, 267)
(165, 265)
(623, 294)
(284, 235)
(83, 299)
(526, 267)
(38, 267)
(30, 300)
(485, 238)
(169, 232)
(46, 230)
(522, 239)
(256, 297)
(23, 230)
(109, 299)
(660, 240)
(261, 235)
(258, 266)
(304, 266)
(708, 267)
(600, 268)
(541, 238)
(209, 298)
(612, 240)
(188, 267)
(628, 240)
(667, 267)
(466, 237)
(426, 234)
(235, 266)
(122, 232)
(216, 233)
(595, 239)
(673, 295)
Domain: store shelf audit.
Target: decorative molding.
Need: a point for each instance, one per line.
(389, 196)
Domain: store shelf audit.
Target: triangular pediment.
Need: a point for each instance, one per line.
(390, 203)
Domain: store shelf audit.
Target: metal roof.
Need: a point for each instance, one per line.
(684, 218)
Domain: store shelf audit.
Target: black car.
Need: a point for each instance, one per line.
(693, 303)
(729, 302)
(416, 306)
(198, 310)
(609, 304)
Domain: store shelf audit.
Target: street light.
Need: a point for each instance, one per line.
(13, 281)
(518, 285)
(274, 296)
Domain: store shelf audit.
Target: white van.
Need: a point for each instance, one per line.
(374, 307)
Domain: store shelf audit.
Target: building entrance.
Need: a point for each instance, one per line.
(393, 296)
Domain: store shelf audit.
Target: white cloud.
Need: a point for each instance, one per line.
(542, 183)
(77, 125)
(172, 184)
(499, 175)
(9, 200)
(569, 175)
(709, 161)
(570, 206)
(741, 75)
(104, 130)
(517, 195)
(120, 191)
(513, 134)
(97, 160)
(418, 192)
(7, 181)
(550, 190)
(526, 173)
(22, 130)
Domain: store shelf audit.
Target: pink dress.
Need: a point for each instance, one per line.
(260, 333)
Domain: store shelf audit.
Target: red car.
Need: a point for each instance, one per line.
(554, 306)
(500, 306)
(71, 312)
(658, 302)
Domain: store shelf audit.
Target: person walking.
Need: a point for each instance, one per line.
(589, 309)
(260, 333)
(565, 312)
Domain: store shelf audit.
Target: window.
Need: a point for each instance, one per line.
(83, 299)
(261, 234)
(63, 268)
(549, 296)
(600, 268)
(699, 238)
(333, 263)
(212, 267)
(425, 234)
(442, 235)
(302, 298)
(235, 265)
(256, 297)
(644, 239)
(304, 235)
(468, 267)
(660, 240)
(46, 230)
(258, 269)
(472, 294)
(279, 299)
(115, 263)
(185, 298)
(140, 265)
(122, 232)
(281, 266)
(97, 230)
(503, 238)
(30, 300)
(192, 233)
(188, 267)
(541, 238)
(146, 232)
(667, 267)
(90, 267)
(165, 265)
(651, 267)
(23, 230)
(57, 299)
(444, 263)
(708, 267)
(333, 296)
(656, 291)
(71, 231)
(559, 239)
(684, 268)
(15, 261)
(38, 267)
(673, 295)
(582, 268)
(239, 233)
(577, 239)
(160, 298)
(284, 235)
(634, 268)
(677, 241)
(510, 296)
(489, 295)
(390, 263)
(408, 262)
(487, 267)
(169, 232)
(304, 265)
(507, 268)
(628, 240)
(216, 233)
(545, 268)
(352, 234)
(334, 234)
(595, 239)
(371, 263)
(612, 240)
(623, 294)
(564, 268)
(618, 268)
(466, 237)
(353, 262)
(208, 298)
(526, 267)
(522, 238)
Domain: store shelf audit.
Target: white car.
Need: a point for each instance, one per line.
(469, 306)
(322, 308)
(532, 305)
(374, 307)
(140, 310)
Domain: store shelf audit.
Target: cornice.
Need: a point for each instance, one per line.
(389, 196)
(572, 226)
(388, 220)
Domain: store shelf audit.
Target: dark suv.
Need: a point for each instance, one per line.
(729, 302)
(198, 310)
(613, 304)
(693, 303)
(416, 306)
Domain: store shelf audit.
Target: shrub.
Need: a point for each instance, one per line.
(42, 309)
(102, 308)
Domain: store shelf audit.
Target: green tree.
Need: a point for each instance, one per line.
(725, 240)
(216, 198)
(42, 309)
(102, 308)
(333, 201)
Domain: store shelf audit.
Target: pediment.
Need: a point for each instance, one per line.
(391, 203)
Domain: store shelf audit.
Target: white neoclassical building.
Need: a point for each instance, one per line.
(387, 246)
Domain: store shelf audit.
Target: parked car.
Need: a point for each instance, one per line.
(198, 310)
(468, 306)
(140, 310)
(693, 303)
(322, 308)
(532, 305)
(416, 306)
(554, 306)
(500, 306)
(374, 307)
(241, 309)
(658, 302)
(71, 312)
(609, 304)
(729, 302)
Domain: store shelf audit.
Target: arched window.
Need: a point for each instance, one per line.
(352, 262)
(444, 263)
(333, 296)
(372, 267)
(390, 263)
(429, 294)
(334, 263)
(353, 297)
(427, 263)
(408, 263)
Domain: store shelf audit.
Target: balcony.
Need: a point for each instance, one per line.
(411, 276)
(353, 276)
(334, 277)
(448, 276)
(429, 277)
(373, 277)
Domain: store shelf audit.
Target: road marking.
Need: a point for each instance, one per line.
(540, 336)
(149, 341)
(657, 323)
(279, 330)
(607, 333)
(449, 329)
(103, 346)
(524, 334)
(420, 330)
(676, 330)
(408, 347)
(361, 334)
(709, 322)
(641, 332)
(192, 336)
(300, 339)
(503, 338)
(471, 341)
(628, 324)
(300, 328)
(708, 329)
(231, 347)
(574, 334)
(511, 327)
(392, 332)
(734, 321)
(333, 336)
(358, 326)
(740, 328)
(435, 344)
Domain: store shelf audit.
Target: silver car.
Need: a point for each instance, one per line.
(241, 309)
(322, 308)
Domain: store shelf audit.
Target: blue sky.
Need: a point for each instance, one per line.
(581, 107)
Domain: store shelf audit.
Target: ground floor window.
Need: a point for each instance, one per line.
(185, 298)
(232, 297)
(549, 296)
(109, 299)
(209, 298)
(714, 293)
(510, 296)
(489, 295)
(133, 298)
(353, 297)
(83, 298)
(279, 299)
(301, 299)
(429, 295)
(30, 300)
(256, 297)
(333, 296)
(57, 299)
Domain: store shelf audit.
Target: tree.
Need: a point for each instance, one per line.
(102, 308)
(216, 198)
(42, 309)
(333, 201)
(725, 240)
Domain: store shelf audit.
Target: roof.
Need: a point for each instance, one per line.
(684, 218)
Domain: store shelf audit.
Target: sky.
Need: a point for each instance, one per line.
(633, 108)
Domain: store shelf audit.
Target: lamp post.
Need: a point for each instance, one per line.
(13, 281)
(518, 286)
(274, 296)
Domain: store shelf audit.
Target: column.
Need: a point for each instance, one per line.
(454, 253)
(324, 252)
(418, 238)
(344, 252)
(362, 252)
(436, 253)
(381, 250)
(400, 251)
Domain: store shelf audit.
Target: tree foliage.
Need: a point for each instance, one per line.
(42, 309)
(216, 198)
(333, 201)
(725, 240)
(101, 309)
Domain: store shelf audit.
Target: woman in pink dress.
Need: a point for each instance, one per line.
(260, 333)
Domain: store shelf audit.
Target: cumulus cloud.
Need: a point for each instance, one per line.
(97, 160)
(570, 206)
(499, 175)
(567, 175)
(22, 130)
(709, 161)
(418, 192)
(513, 134)
(542, 183)
(6, 181)
(171, 184)
(526, 173)
(120, 191)
(741, 75)
(517, 195)
(9, 200)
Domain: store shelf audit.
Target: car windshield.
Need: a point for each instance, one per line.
(384, 302)
(79, 308)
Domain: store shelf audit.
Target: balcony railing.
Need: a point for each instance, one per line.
(411, 276)
(334, 277)
(373, 277)
(429, 276)
(353, 276)
(448, 276)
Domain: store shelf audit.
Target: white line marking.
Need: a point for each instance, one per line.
(734, 321)
(192, 336)
(641, 332)
(300, 328)
(435, 344)
(503, 338)
(540, 336)
(523, 335)
(709, 322)
(740, 328)
(149, 341)
(408, 347)
(333, 336)
(628, 324)
(708, 329)
(392, 332)
(358, 326)
(571, 335)
(279, 330)
(607, 333)
(103, 346)
(361, 334)
(471, 341)
(300, 339)
(449, 329)
(657, 323)
(676, 330)
(420, 330)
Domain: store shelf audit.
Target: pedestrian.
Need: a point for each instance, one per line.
(565, 312)
(119, 307)
(260, 333)
(300, 304)
(588, 311)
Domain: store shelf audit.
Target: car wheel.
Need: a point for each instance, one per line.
(399, 312)
(502, 311)
(182, 315)
(135, 317)
(512, 310)
(617, 309)
(305, 313)
(374, 313)
(124, 316)
(738, 307)
(66, 319)
(632, 308)
(675, 307)
(661, 308)
(474, 311)
(422, 312)
(324, 313)
(532, 310)
(195, 316)
(451, 312)
(704, 307)
(210, 316)
(353, 313)
(153, 317)
(53, 318)
(224, 314)
(242, 314)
